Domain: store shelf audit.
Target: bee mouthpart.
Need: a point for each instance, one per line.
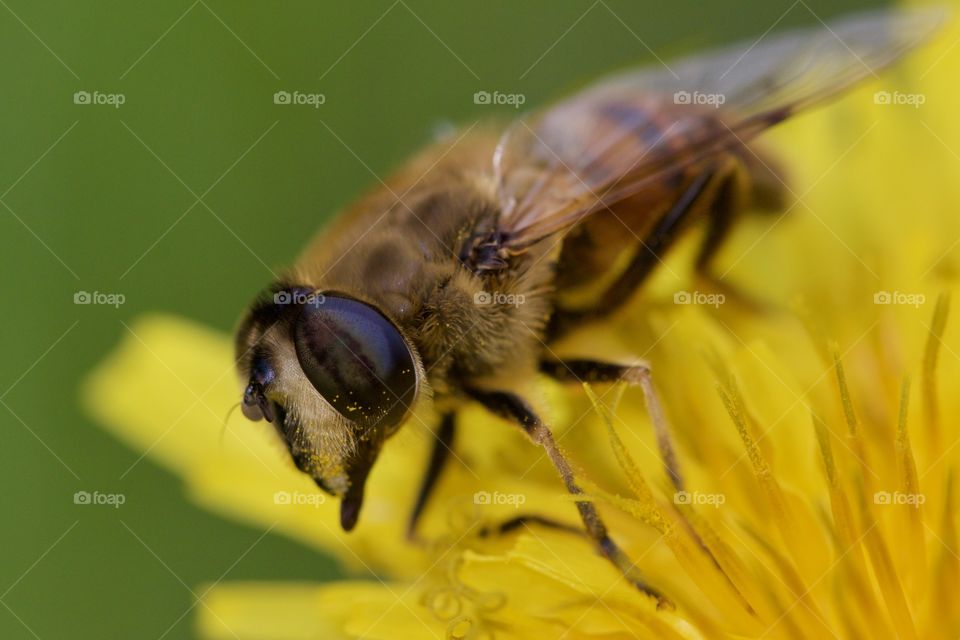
(353, 498)
(350, 509)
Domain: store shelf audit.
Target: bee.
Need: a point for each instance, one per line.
(413, 295)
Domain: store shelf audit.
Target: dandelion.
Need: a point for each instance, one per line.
(818, 440)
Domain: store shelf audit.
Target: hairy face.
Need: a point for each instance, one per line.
(335, 377)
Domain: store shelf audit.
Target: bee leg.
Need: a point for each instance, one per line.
(737, 191)
(438, 456)
(591, 371)
(522, 521)
(695, 202)
(512, 407)
(728, 202)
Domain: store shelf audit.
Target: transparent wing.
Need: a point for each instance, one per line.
(611, 140)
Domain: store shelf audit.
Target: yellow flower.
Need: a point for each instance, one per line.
(819, 445)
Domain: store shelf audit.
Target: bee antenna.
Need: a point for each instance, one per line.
(226, 418)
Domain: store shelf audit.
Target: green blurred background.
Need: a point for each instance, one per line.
(97, 198)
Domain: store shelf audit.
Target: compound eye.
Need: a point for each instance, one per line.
(356, 359)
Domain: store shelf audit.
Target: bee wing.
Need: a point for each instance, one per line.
(611, 140)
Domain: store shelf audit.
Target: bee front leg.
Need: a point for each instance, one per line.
(591, 371)
(442, 448)
(512, 407)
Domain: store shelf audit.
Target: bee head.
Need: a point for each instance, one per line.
(335, 376)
